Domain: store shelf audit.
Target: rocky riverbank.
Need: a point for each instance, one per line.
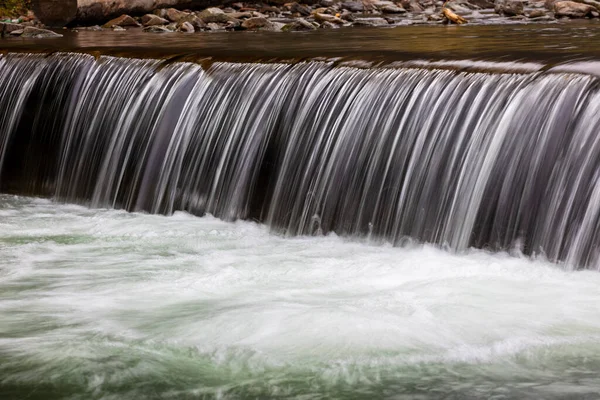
(327, 14)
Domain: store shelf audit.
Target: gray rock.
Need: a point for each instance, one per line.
(347, 15)
(572, 9)
(482, 4)
(412, 5)
(300, 24)
(216, 15)
(123, 20)
(156, 29)
(35, 33)
(536, 13)
(545, 18)
(393, 9)
(152, 20)
(329, 25)
(509, 8)
(301, 9)
(327, 3)
(213, 26)
(6, 28)
(370, 22)
(353, 6)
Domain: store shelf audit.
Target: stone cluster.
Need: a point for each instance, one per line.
(331, 14)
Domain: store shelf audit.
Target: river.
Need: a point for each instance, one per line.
(401, 213)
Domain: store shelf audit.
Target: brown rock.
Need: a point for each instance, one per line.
(195, 21)
(185, 27)
(327, 18)
(256, 23)
(55, 13)
(241, 15)
(123, 20)
(300, 24)
(152, 20)
(175, 15)
(572, 9)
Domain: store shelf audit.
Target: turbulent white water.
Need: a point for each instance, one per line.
(109, 304)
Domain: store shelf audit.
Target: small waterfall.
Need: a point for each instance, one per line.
(454, 158)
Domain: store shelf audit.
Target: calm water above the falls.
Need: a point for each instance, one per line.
(534, 42)
(113, 305)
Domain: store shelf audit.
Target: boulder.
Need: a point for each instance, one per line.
(123, 20)
(35, 33)
(152, 20)
(300, 24)
(572, 9)
(156, 29)
(55, 13)
(509, 8)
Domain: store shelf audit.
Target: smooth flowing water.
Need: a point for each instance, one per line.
(116, 305)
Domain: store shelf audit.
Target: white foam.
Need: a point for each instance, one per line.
(69, 273)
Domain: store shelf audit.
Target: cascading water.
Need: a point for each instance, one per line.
(457, 159)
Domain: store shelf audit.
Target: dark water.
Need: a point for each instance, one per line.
(549, 43)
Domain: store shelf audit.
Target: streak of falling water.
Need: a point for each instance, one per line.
(458, 159)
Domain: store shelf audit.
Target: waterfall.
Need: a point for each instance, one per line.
(456, 158)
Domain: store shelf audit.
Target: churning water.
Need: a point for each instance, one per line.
(116, 305)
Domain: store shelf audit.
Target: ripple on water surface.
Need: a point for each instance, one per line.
(108, 304)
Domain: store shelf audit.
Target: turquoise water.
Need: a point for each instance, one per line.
(101, 304)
